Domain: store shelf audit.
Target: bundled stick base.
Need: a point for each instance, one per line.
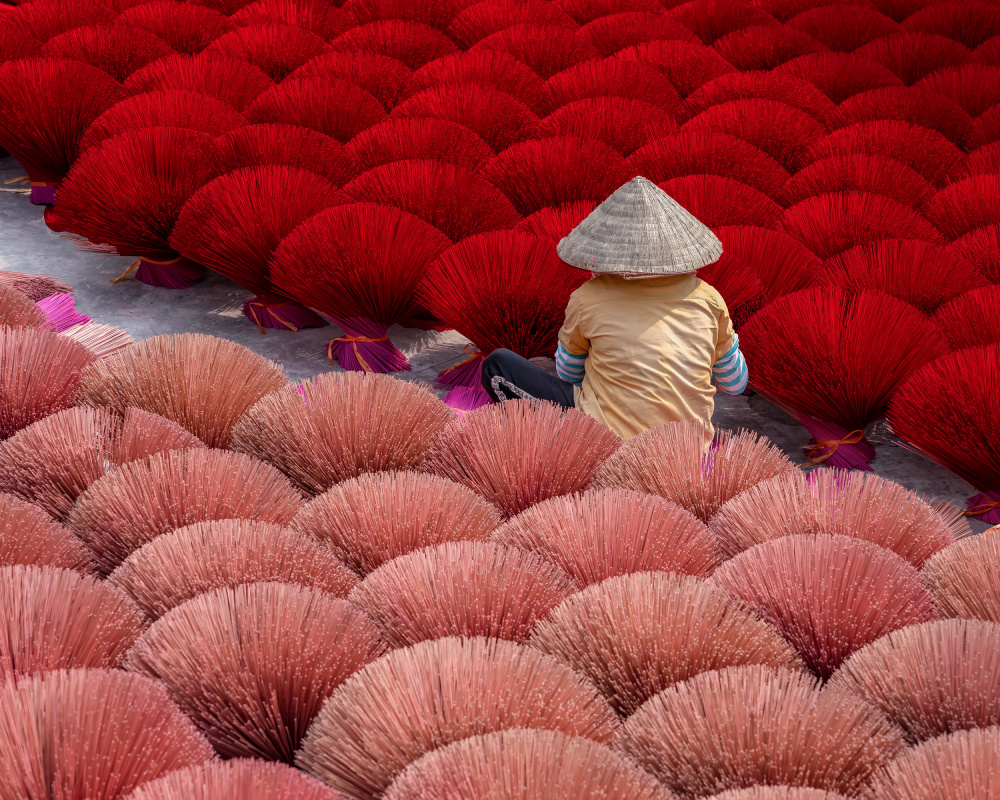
(177, 274)
(282, 315)
(365, 347)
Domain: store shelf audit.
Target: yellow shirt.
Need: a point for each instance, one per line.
(650, 346)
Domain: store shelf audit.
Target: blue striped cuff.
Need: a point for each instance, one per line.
(569, 367)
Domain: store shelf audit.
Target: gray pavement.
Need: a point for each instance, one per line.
(213, 305)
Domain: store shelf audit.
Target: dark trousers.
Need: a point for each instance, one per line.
(508, 376)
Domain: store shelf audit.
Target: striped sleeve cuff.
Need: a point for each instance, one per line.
(730, 372)
(569, 367)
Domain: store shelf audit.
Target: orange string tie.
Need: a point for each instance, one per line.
(984, 508)
(127, 272)
(22, 179)
(471, 351)
(854, 437)
(251, 306)
(354, 343)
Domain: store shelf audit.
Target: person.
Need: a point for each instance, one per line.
(645, 341)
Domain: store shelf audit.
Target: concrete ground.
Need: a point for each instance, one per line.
(213, 305)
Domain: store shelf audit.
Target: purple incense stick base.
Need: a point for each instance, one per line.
(60, 312)
(835, 447)
(467, 398)
(467, 373)
(365, 347)
(985, 507)
(177, 274)
(43, 194)
(282, 315)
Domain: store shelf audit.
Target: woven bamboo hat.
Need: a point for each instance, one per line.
(640, 230)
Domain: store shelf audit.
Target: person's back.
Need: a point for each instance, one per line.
(645, 341)
(648, 348)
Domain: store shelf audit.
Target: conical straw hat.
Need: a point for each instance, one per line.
(640, 230)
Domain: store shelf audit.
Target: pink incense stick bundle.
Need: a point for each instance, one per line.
(856, 504)
(203, 383)
(199, 558)
(52, 618)
(45, 107)
(835, 384)
(930, 679)
(337, 426)
(236, 779)
(963, 578)
(131, 730)
(518, 453)
(18, 311)
(636, 635)
(34, 287)
(137, 502)
(376, 517)
(432, 694)
(518, 764)
(40, 373)
(954, 767)
(749, 725)
(869, 592)
(602, 533)
(359, 264)
(277, 653)
(676, 462)
(461, 589)
(53, 461)
(29, 536)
